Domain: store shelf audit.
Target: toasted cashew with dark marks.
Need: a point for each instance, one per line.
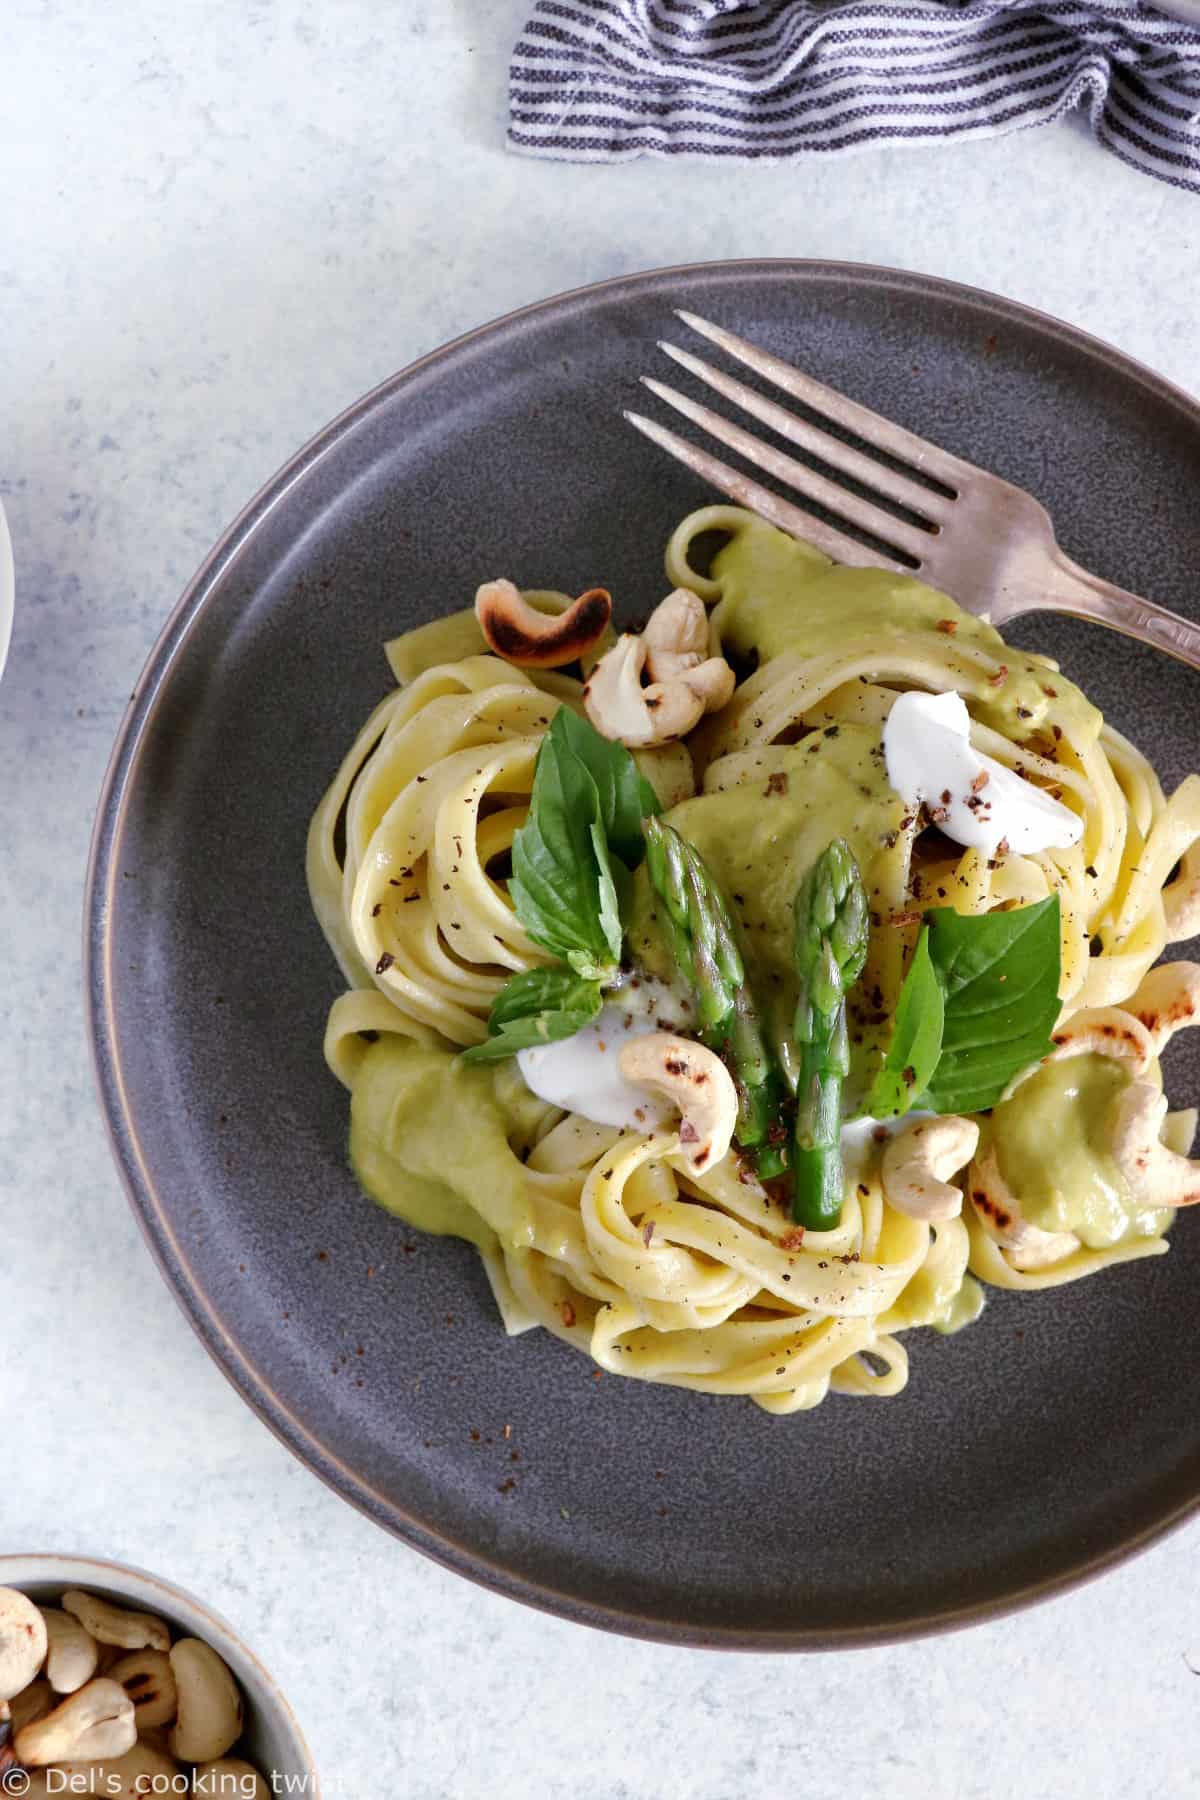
(918, 1162)
(90, 1725)
(996, 1207)
(1105, 1031)
(72, 1653)
(695, 1080)
(148, 1679)
(685, 682)
(22, 1642)
(622, 709)
(536, 640)
(1167, 1001)
(1156, 1175)
(115, 1624)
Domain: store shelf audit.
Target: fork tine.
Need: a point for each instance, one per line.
(872, 427)
(761, 500)
(830, 450)
(882, 525)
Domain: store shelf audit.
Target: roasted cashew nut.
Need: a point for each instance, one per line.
(36, 1785)
(676, 635)
(1181, 898)
(229, 1776)
(22, 1642)
(714, 681)
(1167, 1001)
(155, 1736)
(685, 683)
(209, 1720)
(693, 1079)
(72, 1652)
(918, 1162)
(114, 1625)
(90, 1726)
(622, 709)
(149, 1680)
(1156, 1175)
(33, 1702)
(537, 640)
(140, 1773)
(1029, 1247)
(1104, 1031)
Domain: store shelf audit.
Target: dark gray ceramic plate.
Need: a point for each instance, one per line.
(1057, 1434)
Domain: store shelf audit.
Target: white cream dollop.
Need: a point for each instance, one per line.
(974, 799)
(581, 1073)
(863, 1139)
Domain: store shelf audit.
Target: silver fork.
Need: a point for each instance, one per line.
(988, 544)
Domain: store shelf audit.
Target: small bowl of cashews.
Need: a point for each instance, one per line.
(114, 1682)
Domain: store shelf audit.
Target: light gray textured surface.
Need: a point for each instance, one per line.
(219, 226)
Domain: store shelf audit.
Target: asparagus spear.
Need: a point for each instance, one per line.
(830, 948)
(704, 944)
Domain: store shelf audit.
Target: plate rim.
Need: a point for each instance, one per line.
(238, 1367)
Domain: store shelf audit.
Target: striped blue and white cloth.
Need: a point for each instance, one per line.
(606, 80)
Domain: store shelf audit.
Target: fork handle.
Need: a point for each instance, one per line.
(1075, 590)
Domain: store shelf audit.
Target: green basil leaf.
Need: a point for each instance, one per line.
(537, 1006)
(545, 1028)
(542, 990)
(999, 975)
(610, 903)
(555, 883)
(916, 1038)
(625, 796)
(567, 884)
